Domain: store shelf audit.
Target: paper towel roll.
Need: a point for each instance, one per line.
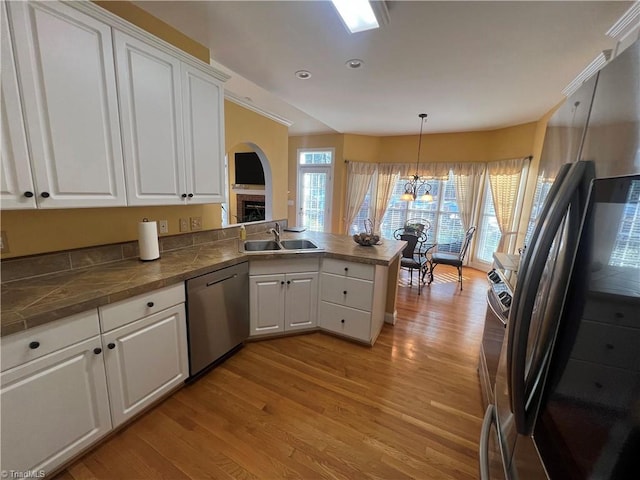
(148, 241)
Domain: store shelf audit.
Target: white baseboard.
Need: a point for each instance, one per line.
(390, 317)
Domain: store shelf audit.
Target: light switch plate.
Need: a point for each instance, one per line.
(196, 223)
(163, 226)
(4, 243)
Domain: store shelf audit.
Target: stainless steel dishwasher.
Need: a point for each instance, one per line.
(217, 316)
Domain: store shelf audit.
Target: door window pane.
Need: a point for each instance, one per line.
(313, 205)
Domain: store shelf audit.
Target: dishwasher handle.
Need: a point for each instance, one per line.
(222, 280)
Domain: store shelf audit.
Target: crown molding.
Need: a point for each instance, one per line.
(248, 105)
(626, 23)
(595, 65)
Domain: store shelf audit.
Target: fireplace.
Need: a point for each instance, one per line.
(250, 208)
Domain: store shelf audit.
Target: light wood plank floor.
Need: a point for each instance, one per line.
(316, 406)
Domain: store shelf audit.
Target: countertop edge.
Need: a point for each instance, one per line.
(23, 323)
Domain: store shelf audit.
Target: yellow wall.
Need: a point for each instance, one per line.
(245, 127)
(39, 231)
(511, 142)
(148, 22)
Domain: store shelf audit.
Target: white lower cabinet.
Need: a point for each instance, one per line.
(53, 390)
(352, 299)
(144, 360)
(283, 297)
(55, 406)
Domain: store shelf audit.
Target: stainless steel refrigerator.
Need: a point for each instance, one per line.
(567, 394)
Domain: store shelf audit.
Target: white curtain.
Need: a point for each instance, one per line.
(359, 175)
(467, 178)
(504, 178)
(388, 174)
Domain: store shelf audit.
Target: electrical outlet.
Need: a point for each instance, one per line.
(4, 243)
(164, 226)
(184, 225)
(196, 223)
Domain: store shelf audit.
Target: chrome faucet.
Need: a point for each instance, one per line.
(276, 232)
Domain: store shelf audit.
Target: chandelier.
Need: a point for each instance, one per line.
(413, 188)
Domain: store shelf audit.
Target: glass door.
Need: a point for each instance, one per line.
(314, 200)
(315, 168)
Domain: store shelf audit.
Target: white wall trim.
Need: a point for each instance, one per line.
(391, 318)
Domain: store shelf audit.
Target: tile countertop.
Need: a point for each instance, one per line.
(38, 300)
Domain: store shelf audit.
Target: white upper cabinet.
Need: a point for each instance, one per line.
(151, 113)
(64, 61)
(203, 134)
(16, 184)
(172, 124)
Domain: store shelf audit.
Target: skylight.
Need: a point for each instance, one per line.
(357, 15)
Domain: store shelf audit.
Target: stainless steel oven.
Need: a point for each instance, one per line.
(498, 301)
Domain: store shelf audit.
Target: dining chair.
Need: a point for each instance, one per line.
(414, 255)
(453, 259)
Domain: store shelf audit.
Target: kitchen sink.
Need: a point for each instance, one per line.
(261, 246)
(298, 244)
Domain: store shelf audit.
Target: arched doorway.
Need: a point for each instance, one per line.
(246, 199)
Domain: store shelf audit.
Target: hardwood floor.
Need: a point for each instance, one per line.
(316, 406)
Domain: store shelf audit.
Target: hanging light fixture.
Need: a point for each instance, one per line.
(413, 188)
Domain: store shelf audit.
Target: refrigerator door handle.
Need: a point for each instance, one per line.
(566, 196)
(524, 270)
(489, 418)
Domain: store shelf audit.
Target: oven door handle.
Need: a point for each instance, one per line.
(489, 418)
(500, 316)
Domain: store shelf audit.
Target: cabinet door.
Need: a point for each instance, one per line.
(65, 65)
(53, 408)
(16, 185)
(144, 360)
(203, 135)
(266, 304)
(301, 301)
(151, 112)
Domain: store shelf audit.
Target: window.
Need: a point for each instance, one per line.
(441, 213)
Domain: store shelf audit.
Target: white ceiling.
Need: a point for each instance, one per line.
(470, 65)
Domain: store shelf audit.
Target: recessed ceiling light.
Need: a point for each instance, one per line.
(354, 63)
(303, 74)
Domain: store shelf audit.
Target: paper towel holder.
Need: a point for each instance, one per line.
(148, 246)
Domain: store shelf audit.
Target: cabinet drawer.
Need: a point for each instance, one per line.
(348, 269)
(345, 321)
(120, 313)
(25, 346)
(351, 292)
